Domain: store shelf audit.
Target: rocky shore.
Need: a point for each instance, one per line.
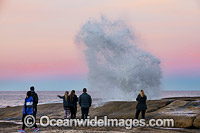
(184, 110)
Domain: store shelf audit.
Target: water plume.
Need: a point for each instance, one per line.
(118, 68)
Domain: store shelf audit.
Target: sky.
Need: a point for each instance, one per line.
(37, 44)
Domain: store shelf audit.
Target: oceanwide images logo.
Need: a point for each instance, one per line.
(106, 122)
(29, 120)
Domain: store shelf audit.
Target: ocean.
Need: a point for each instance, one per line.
(16, 98)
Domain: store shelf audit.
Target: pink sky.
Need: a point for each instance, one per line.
(37, 37)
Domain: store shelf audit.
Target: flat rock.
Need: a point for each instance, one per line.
(184, 112)
(196, 122)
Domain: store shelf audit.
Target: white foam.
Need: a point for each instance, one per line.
(118, 68)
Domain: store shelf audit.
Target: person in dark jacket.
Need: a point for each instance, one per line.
(65, 105)
(72, 104)
(141, 105)
(35, 101)
(76, 100)
(27, 110)
(85, 102)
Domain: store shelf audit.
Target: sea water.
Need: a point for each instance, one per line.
(16, 98)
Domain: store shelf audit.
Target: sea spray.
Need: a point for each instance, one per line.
(118, 68)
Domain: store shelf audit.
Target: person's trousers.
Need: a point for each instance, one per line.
(67, 112)
(73, 112)
(34, 114)
(23, 126)
(138, 112)
(84, 112)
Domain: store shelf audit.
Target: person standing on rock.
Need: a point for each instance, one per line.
(72, 103)
(65, 105)
(85, 102)
(141, 105)
(75, 100)
(27, 110)
(35, 102)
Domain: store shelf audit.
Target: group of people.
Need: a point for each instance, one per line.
(85, 101)
(30, 107)
(70, 104)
